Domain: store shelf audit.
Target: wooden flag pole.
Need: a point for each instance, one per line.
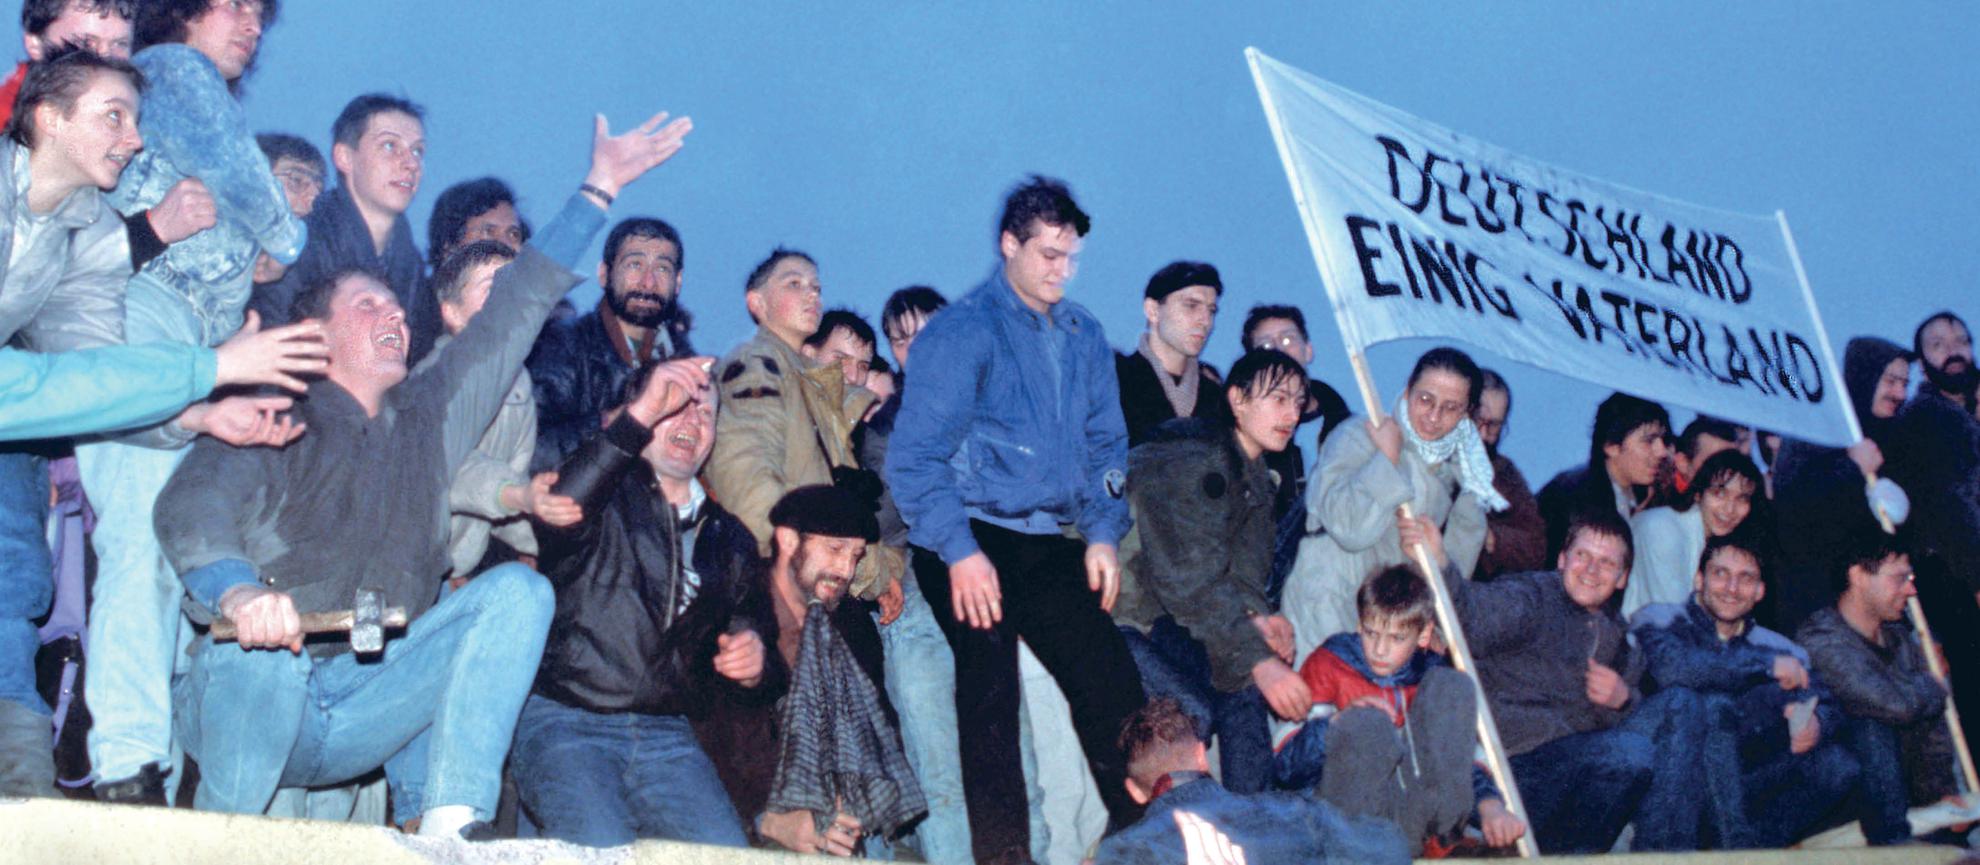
(1930, 647)
(1488, 729)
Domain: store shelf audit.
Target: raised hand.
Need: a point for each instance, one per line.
(739, 657)
(617, 160)
(670, 388)
(274, 356)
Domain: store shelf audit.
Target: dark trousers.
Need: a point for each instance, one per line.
(1047, 604)
(1885, 795)
(1581, 790)
(1174, 664)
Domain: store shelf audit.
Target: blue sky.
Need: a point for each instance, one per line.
(880, 137)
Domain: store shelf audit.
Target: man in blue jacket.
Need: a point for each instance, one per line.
(1769, 774)
(1015, 436)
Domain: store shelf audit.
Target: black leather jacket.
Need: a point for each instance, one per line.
(579, 374)
(620, 640)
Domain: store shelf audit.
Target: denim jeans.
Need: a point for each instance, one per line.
(1693, 773)
(1795, 795)
(1175, 664)
(136, 629)
(438, 709)
(921, 682)
(1886, 797)
(604, 780)
(26, 585)
(1580, 790)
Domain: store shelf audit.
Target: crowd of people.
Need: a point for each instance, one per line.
(785, 598)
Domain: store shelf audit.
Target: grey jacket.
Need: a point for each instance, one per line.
(1532, 643)
(360, 501)
(499, 460)
(1889, 685)
(65, 270)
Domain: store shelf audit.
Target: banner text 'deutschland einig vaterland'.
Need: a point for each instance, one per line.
(1422, 232)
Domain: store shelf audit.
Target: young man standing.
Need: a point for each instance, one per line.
(1014, 435)
(786, 422)
(379, 151)
(193, 53)
(1162, 379)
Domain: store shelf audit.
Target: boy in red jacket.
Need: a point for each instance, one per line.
(1398, 723)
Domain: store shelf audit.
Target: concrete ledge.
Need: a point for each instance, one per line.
(56, 832)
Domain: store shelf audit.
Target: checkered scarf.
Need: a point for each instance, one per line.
(837, 751)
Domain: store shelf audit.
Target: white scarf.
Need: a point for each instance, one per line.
(1474, 467)
(1181, 394)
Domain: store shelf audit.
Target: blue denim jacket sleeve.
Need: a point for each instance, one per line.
(1103, 516)
(565, 237)
(196, 124)
(207, 583)
(937, 408)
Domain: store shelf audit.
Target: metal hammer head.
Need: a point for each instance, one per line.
(367, 621)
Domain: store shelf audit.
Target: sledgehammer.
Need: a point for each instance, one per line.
(367, 620)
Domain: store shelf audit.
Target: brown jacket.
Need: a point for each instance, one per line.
(784, 423)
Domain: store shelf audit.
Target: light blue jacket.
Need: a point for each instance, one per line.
(1013, 418)
(194, 127)
(99, 389)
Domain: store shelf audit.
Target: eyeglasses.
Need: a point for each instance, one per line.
(1284, 342)
(300, 180)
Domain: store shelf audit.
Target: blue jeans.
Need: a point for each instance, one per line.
(26, 585)
(437, 710)
(1694, 773)
(921, 682)
(1795, 795)
(1174, 664)
(1580, 790)
(1886, 797)
(604, 780)
(136, 629)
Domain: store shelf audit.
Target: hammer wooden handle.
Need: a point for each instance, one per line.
(319, 623)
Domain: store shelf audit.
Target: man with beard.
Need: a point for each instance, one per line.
(1515, 538)
(1771, 770)
(820, 534)
(580, 366)
(1935, 456)
(1162, 379)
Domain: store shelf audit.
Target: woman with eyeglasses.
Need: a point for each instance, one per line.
(1427, 455)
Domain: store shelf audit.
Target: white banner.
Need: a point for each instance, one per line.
(1422, 232)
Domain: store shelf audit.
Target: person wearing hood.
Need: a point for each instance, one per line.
(1820, 498)
(1429, 456)
(1192, 608)
(1399, 721)
(1934, 454)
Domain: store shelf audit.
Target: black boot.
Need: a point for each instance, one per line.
(147, 787)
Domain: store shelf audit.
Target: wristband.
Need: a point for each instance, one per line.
(602, 194)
